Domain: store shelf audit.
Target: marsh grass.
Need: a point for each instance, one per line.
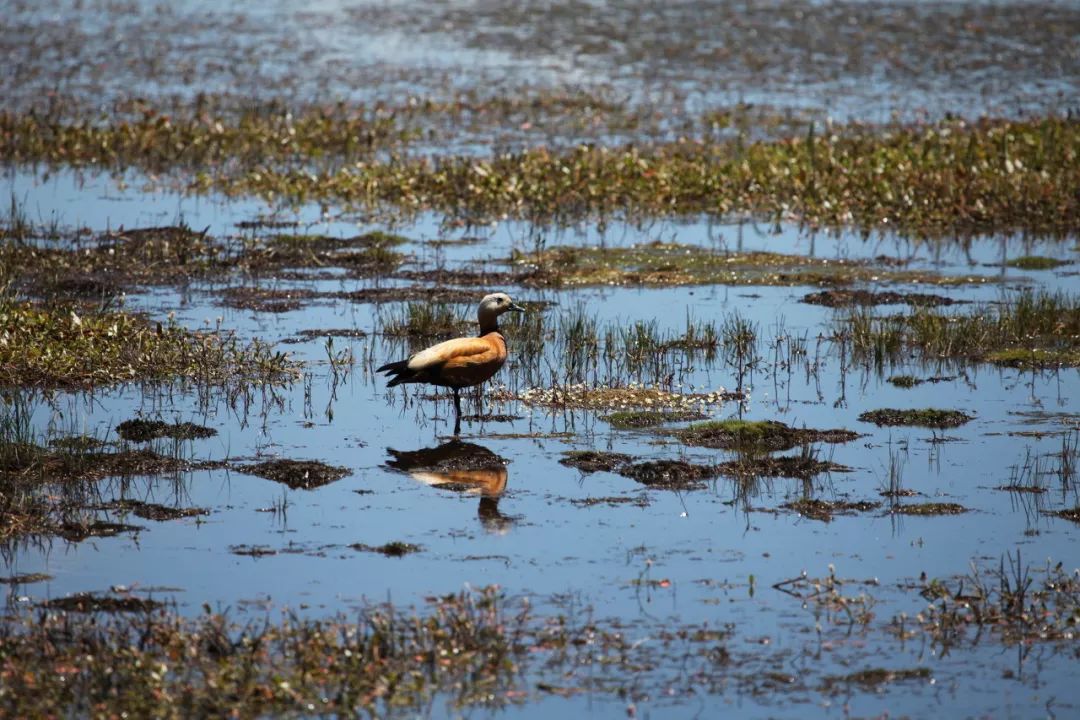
(52, 347)
(928, 179)
(668, 263)
(1028, 329)
(424, 320)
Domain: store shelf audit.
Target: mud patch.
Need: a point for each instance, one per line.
(140, 430)
(929, 417)
(759, 435)
(866, 298)
(824, 510)
(590, 461)
(296, 474)
(669, 474)
(90, 603)
(390, 549)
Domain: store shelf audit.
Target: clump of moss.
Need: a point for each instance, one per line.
(1035, 262)
(636, 419)
(297, 474)
(762, 435)
(48, 347)
(928, 417)
(142, 430)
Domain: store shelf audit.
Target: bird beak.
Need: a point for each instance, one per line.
(514, 307)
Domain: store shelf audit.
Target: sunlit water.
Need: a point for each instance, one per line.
(718, 552)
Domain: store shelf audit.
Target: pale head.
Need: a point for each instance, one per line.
(491, 307)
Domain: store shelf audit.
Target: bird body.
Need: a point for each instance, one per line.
(461, 362)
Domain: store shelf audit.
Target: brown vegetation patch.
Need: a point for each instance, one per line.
(1072, 514)
(929, 417)
(803, 466)
(412, 293)
(669, 474)
(637, 419)
(141, 430)
(26, 579)
(640, 501)
(152, 511)
(590, 461)
(875, 677)
(297, 474)
(90, 603)
(824, 510)
(930, 508)
(77, 531)
(848, 298)
(263, 299)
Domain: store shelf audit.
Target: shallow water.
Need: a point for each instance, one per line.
(646, 558)
(686, 557)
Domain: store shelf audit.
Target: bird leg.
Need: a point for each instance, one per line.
(457, 411)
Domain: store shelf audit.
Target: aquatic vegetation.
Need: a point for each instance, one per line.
(954, 176)
(759, 435)
(803, 466)
(51, 347)
(1028, 329)
(667, 263)
(847, 298)
(928, 417)
(424, 320)
(618, 398)
(297, 474)
(91, 603)
(1035, 262)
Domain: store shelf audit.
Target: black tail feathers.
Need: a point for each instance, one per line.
(399, 372)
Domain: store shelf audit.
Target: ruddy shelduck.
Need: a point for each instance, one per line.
(461, 362)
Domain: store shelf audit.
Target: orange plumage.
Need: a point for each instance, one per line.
(461, 362)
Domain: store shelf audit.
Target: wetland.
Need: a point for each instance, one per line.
(790, 426)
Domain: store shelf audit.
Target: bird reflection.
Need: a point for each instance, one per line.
(460, 467)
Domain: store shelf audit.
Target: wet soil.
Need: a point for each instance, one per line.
(803, 467)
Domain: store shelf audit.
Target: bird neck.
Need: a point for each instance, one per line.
(488, 323)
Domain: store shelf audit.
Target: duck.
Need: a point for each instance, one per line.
(461, 362)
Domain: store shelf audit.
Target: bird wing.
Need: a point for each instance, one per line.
(459, 352)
